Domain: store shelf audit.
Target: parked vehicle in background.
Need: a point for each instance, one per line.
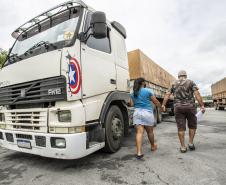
(219, 94)
(208, 101)
(158, 79)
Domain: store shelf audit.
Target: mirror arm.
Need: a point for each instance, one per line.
(83, 35)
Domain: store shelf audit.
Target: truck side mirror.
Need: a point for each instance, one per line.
(99, 25)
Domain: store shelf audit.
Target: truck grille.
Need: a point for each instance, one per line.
(1, 135)
(9, 137)
(24, 136)
(40, 141)
(40, 91)
(26, 120)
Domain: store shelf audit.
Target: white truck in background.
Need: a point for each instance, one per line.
(65, 84)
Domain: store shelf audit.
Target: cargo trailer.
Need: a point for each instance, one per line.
(157, 78)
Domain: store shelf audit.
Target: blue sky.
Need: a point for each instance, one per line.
(176, 34)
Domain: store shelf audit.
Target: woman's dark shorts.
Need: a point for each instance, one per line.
(183, 113)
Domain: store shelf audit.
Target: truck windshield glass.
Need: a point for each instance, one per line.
(60, 28)
(61, 32)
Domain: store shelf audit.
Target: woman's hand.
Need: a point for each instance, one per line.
(130, 103)
(155, 101)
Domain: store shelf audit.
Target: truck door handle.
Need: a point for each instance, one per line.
(113, 81)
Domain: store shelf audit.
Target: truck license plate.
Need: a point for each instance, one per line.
(24, 144)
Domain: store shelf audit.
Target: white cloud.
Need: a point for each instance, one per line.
(215, 39)
(176, 34)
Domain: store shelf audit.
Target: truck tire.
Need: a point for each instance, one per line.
(114, 129)
(220, 108)
(159, 116)
(171, 113)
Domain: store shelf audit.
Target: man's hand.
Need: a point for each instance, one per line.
(202, 108)
(163, 108)
(166, 97)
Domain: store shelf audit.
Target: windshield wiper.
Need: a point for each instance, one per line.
(39, 44)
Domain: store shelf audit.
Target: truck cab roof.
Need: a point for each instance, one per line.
(48, 14)
(55, 10)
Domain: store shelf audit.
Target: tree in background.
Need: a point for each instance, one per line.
(3, 56)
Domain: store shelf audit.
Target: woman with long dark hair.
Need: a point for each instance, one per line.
(143, 117)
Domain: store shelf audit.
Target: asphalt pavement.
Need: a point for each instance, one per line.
(166, 166)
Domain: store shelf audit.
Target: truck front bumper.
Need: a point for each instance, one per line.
(42, 144)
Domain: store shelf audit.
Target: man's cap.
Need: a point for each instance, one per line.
(182, 73)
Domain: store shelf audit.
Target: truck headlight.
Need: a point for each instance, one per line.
(64, 116)
(2, 126)
(67, 130)
(2, 117)
(58, 142)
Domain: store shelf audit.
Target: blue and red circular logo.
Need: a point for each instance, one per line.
(74, 76)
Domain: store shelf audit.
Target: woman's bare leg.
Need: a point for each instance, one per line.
(139, 138)
(151, 136)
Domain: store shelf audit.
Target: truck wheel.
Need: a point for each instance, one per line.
(171, 113)
(220, 108)
(159, 116)
(114, 129)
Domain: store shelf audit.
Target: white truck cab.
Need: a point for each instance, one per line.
(65, 84)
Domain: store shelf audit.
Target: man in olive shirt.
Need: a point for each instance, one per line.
(184, 91)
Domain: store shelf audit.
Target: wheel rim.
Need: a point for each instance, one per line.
(117, 127)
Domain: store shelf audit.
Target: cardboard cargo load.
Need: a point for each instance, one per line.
(219, 89)
(141, 65)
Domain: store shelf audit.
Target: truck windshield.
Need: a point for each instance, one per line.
(62, 32)
(57, 32)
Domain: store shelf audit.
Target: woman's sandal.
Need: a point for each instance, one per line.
(154, 147)
(183, 149)
(140, 156)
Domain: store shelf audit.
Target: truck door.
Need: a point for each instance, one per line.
(98, 67)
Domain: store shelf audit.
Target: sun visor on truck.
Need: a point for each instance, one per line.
(119, 28)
